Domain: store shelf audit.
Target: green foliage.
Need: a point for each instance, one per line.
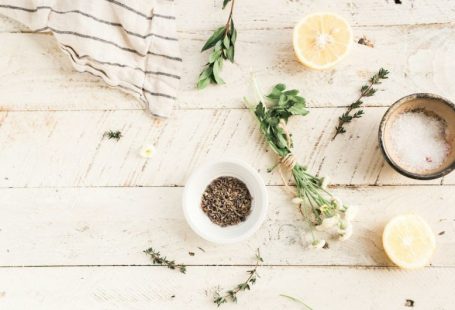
(284, 103)
(231, 295)
(365, 91)
(116, 135)
(157, 259)
(222, 43)
(272, 119)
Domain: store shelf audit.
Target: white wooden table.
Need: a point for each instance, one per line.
(76, 210)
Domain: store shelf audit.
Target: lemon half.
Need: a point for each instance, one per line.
(321, 40)
(409, 241)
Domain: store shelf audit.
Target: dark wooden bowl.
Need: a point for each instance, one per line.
(435, 104)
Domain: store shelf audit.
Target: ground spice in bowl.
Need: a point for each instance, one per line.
(226, 201)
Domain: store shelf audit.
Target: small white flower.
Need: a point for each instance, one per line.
(328, 224)
(346, 233)
(351, 213)
(317, 244)
(338, 203)
(148, 151)
(297, 200)
(325, 181)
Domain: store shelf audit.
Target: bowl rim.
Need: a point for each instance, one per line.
(263, 207)
(381, 134)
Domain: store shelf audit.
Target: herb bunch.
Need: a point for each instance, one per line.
(157, 259)
(366, 90)
(223, 43)
(321, 210)
(231, 295)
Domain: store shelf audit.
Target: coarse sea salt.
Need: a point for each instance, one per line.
(419, 140)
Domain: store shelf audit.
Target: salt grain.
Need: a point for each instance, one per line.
(418, 140)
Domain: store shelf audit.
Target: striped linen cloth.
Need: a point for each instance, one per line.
(131, 45)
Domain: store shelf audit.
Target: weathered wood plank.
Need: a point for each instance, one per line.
(282, 13)
(112, 226)
(145, 287)
(66, 148)
(37, 76)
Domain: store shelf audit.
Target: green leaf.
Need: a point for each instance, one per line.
(233, 33)
(214, 56)
(204, 78)
(203, 83)
(276, 91)
(216, 71)
(216, 36)
(230, 53)
(299, 109)
(226, 41)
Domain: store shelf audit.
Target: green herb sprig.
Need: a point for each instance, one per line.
(315, 203)
(223, 43)
(366, 90)
(116, 135)
(231, 295)
(297, 300)
(157, 259)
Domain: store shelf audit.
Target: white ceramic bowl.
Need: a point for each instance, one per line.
(196, 186)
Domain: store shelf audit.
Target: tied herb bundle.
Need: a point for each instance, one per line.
(322, 211)
(366, 90)
(223, 43)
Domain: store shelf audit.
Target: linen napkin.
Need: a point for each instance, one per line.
(131, 45)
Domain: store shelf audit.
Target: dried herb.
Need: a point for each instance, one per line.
(296, 300)
(223, 43)
(365, 41)
(366, 90)
(409, 303)
(226, 201)
(191, 253)
(157, 259)
(316, 204)
(116, 135)
(231, 295)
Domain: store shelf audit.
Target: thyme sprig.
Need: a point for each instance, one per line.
(231, 295)
(366, 90)
(320, 209)
(157, 259)
(223, 43)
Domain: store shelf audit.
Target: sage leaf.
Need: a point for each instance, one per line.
(216, 36)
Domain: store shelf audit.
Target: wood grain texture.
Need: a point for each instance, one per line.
(282, 13)
(36, 75)
(112, 226)
(140, 288)
(73, 209)
(65, 149)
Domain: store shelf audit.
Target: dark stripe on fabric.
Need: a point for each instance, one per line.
(121, 65)
(91, 17)
(81, 35)
(137, 12)
(130, 89)
(165, 56)
(138, 87)
(158, 94)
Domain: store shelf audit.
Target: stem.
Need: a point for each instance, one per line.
(349, 110)
(296, 300)
(228, 23)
